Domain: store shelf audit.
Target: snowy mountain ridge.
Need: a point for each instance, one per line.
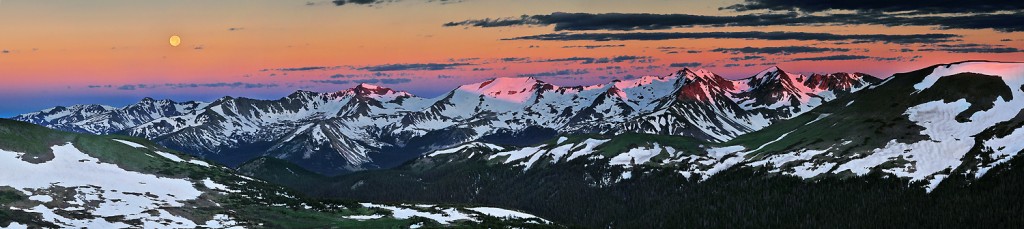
(360, 127)
(102, 119)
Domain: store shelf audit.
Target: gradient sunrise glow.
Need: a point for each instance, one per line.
(117, 52)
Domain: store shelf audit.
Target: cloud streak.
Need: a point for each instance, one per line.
(835, 57)
(603, 60)
(378, 2)
(367, 81)
(916, 6)
(685, 65)
(854, 57)
(626, 21)
(593, 46)
(412, 67)
(300, 69)
(129, 87)
(752, 35)
(563, 72)
(1005, 22)
(970, 48)
(783, 50)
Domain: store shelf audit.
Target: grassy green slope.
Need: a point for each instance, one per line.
(871, 118)
(577, 193)
(274, 210)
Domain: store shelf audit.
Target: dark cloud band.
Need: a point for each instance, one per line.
(377, 2)
(563, 72)
(1005, 22)
(412, 67)
(970, 48)
(835, 57)
(685, 65)
(917, 6)
(784, 50)
(855, 57)
(755, 35)
(368, 81)
(129, 87)
(628, 21)
(300, 69)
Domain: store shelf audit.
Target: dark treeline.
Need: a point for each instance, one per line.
(574, 194)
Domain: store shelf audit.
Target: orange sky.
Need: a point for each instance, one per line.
(57, 49)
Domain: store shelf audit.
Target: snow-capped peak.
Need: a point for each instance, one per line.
(636, 82)
(75, 112)
(769, 71)
(702, 73)
(147, 101)
(690, 75)
(513, 89)
(618, 92)
(362, 90)
(838, 81)
(368, 86)
(370, 90)
(770, 74)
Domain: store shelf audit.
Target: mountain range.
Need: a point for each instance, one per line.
(368, 126)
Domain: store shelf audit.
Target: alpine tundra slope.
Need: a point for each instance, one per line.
(55, 179)
(956, 118)
(936, 147)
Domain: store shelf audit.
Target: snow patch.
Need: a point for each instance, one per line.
(447, 216)
(129, 143)
(638, 156)
(216, 186)
(588, 148)
(170, 156)
(200, 163)
(41, 198)
(466, 146)
(16, 225)
(364, 217)
(222, 221)
(517, 154)
(503, 213)
(103, 181)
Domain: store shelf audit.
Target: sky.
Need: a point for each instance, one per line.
(65, 52)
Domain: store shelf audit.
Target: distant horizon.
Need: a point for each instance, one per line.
(121, 102)
(127, 102)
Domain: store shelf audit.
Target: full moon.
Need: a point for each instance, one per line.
(175, 40)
